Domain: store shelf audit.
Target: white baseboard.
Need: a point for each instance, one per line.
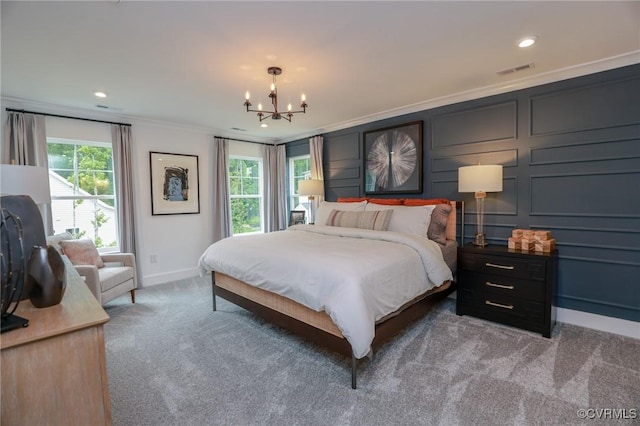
(599, 322)
(595, 321)
(149, 280)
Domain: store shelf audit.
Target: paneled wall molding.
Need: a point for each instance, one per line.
(596, 260)
(506, 157)
(586, 229)
(603, 151)
(593, 108)
(634, 309)
(487, 123)
(584, 189)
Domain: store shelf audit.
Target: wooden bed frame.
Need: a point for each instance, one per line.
(318, 326)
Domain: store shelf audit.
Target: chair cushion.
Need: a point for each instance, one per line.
(112, 276)
(82, 252)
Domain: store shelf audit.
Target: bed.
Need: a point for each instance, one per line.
(351, 281)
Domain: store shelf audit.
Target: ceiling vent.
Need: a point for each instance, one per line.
(108, 108)
(516, 69)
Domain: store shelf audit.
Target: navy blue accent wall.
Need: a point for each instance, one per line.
(571, 157)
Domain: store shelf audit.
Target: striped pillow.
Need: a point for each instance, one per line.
(376, 220)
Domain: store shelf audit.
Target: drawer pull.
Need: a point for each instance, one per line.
(493, 265)
(508, 287)
(499, 305)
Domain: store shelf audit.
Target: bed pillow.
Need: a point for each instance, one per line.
(326, 207)
(410, 220)
(424, 202)
(351, 199)
(386, 201)
(82, 252)
(375, 220)
(438, 227)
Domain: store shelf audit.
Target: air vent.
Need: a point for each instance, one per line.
(108, 108)
(516, 69)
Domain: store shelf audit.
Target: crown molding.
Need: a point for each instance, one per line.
(580, 70)
(607, 64)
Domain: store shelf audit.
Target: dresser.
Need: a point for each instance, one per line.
(54, 371)
(511, 287)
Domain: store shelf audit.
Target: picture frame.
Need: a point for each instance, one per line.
(175, 183)
(381, 174)
(297, 217)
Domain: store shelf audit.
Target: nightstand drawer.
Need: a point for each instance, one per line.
(507, 310)
(509, 287)
(505, 266)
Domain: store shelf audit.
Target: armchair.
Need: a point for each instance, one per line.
(107, 275)
(117, 277)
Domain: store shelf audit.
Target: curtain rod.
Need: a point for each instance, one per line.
(65, 116)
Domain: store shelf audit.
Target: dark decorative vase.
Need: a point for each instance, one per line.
(46, 279)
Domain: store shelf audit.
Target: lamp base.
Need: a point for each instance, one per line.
(480, 240)
(13, 321)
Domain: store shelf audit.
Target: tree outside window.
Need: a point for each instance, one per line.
(245, 184)
(82, 190)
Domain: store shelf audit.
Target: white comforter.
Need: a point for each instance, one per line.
(357, 276)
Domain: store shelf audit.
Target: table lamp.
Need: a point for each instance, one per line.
(480, 179)
(310, 188)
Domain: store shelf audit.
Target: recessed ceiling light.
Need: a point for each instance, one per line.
(528, 41)
(100, 94)
(264, 125)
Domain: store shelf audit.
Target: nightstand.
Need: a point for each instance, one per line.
(508, 286)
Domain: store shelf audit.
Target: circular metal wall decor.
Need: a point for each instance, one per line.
(393, 159)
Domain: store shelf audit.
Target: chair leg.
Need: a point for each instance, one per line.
(133, 296)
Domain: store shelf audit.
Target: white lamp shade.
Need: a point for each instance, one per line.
(485, 178)
(25, 180)
(310, 187)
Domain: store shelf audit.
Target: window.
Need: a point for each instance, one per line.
(82, 190)
(299, 169)
(245, 184)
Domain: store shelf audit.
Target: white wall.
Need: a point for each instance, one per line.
(176, 241)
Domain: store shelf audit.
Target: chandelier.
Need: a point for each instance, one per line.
(273, 94)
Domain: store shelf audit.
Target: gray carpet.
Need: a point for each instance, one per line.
(172, 361)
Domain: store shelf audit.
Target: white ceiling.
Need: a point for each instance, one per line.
(191, 62)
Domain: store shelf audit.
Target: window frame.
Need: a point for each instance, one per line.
(114, 197)
(292, 184)
(260, 195)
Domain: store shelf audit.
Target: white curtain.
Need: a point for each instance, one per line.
(123, 173)
(25, 143)
(275, 189)
(315, 151)
(221, 192)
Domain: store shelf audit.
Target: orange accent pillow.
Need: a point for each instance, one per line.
(425, 202)
(350, 199)
(386, 201)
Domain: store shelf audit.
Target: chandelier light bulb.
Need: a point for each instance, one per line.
(273, 87)
(289, 108)
(303, 97)
(260, 107)
(246, 95)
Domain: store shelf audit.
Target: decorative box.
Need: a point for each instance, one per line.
(527, 244)
(528, 234)
(542, 235)
(546, 246)
(514, 243)
(516, 233)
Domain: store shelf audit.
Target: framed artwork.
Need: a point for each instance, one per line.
(297, 217)
(393, 159)
(174, 183)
